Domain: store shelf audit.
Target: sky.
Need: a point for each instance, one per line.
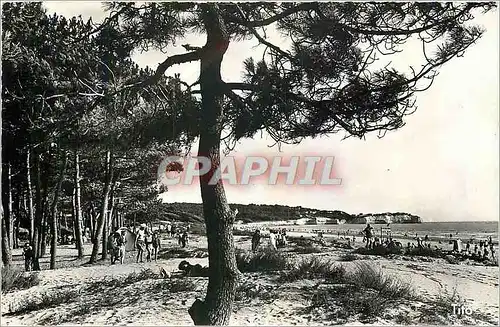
(442, 165)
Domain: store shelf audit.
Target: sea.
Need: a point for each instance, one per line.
(476, 230)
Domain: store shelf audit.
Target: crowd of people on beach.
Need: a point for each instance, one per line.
(277, 238)
(483, 249)
(146, 241)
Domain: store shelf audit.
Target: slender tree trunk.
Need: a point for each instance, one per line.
(53, 210)
(105, 232)
(30, 197)
(223, 273)
(6, 217)
(43, 239)
(92, 223)
(102, 218)
(109, 217)
(78, 207)
(10, 216)
(37, 235)
(16, 234)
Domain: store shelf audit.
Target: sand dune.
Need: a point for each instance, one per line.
(105, 294)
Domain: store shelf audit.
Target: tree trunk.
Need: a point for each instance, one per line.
(223, 272)
(53, 211)
(16, 234)
(6, 249)
(78, 208)
(105, 232)
(37, 234)
(10, 216)
(92, 219)
(109, 217)
(29, 192)
(6, 217)
(102, 218)
(43, 239)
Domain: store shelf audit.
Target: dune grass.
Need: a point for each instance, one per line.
(364, 293)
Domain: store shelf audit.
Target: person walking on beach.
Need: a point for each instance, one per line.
(139, 242)
(272, 240)
(156, 245)
(419, 243)
(255, 240)
(184, 239)
(368, 234)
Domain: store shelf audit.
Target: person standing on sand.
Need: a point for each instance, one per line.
(156, 245)
(255, 240)
(272, 240)
(368, 234)
(28, 255)
(184, 239)
(139, 242)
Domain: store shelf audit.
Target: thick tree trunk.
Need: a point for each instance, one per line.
(53, 211)
(102, 218)
(223, 272)
(78, 208)
(6, 249)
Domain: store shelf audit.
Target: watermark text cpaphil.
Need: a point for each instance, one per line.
(291, 170)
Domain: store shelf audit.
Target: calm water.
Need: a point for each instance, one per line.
(463, 230)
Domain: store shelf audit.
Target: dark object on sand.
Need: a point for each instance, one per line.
(193, 270)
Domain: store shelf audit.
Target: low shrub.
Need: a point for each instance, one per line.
(314, 268)
(308, 249)
(47, 299)
(117, 282)
(379, 250)
(15, 279)
(348, 257)
(262, 260)
(247, 291)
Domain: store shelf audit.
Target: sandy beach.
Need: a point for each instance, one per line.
(150, 300)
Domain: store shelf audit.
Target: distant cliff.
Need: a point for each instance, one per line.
(274, 213)
(386, 218)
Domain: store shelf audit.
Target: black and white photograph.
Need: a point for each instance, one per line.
(250, 163)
